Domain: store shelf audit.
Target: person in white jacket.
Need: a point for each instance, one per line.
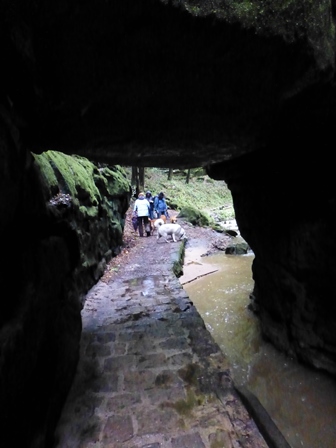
(141, 207)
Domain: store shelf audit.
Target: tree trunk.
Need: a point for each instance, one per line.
(188, 176)
(138, 179)
(141, 178)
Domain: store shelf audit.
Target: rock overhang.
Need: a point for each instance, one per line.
(170, 84)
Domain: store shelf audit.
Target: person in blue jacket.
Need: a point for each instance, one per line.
(160, 205)
(141, 206)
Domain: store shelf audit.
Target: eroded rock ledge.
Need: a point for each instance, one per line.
(180, 83)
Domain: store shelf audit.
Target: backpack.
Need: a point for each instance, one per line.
(157, 202)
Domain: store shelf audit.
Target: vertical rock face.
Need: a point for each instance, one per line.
(90, 201)
(285, 207)
(67, 222)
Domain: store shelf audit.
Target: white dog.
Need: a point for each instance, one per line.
(175, 230)
(158, 222)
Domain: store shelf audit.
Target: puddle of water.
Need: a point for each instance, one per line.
(302, 402)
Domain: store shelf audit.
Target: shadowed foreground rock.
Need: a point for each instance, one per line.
(75, 214)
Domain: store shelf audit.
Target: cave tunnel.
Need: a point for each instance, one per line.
(248, 94)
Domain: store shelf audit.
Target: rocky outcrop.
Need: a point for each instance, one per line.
(287, 215)
(65, 228)
(91, 201)
(246, 89)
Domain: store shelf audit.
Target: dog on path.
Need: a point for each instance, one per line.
(154, 223)
(174, 230)
(173, 220)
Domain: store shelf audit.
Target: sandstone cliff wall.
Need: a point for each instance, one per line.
(68, 224)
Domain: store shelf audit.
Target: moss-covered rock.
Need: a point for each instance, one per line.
(178, 262)
(237, 248)
(195, 217)
(92, 200)
(217, 228)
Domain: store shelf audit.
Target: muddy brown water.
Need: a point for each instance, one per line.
(301, 401)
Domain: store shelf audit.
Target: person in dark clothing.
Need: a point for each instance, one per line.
(150, 199)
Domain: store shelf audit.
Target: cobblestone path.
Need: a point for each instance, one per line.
(150, 374)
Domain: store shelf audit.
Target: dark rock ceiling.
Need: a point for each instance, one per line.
(148, 83)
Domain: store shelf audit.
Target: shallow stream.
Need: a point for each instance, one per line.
(301, 401)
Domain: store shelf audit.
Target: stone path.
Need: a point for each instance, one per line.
(150, 374)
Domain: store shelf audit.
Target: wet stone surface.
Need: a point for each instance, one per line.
(150, 374)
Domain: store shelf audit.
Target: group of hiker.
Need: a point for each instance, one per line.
(148, 207)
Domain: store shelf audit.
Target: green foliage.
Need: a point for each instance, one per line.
(198, 199)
